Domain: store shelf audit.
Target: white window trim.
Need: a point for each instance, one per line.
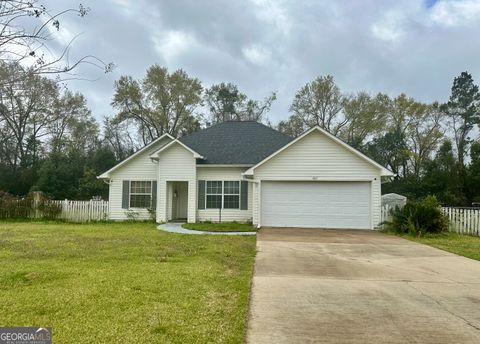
(223, 193)
(130, 193)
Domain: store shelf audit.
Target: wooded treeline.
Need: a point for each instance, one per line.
(50, 141)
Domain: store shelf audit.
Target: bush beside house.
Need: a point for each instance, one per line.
(418, 218)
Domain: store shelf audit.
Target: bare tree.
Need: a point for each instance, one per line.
(365, 116)
(320, 102)
(34, 110)
(424, 135)
(226, 103)
(161, 102)
(26, 28)
(74, 127)
(26, 101)
(118, 137)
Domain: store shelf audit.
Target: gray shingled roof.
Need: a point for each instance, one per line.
(235, 142)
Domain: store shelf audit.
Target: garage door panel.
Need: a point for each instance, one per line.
(316, 204)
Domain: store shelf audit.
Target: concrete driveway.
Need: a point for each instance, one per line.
(335, 286)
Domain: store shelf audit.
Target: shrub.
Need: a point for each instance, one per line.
(417, 218)
(152, 213)
(131, 215)
(49, 210)
(12, 207)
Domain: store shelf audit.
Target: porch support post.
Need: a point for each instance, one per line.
(192, 201)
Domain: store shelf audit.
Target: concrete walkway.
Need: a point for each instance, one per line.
(327, 286)
(174, 227)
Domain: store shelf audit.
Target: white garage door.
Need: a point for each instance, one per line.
(316, 204)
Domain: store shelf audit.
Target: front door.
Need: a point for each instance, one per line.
(179, 200)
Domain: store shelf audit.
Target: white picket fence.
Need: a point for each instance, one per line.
(461, 220)
(83, 211)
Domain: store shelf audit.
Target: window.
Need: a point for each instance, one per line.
(140, 194)
(214, 194)
(231, 194)
(223, 194)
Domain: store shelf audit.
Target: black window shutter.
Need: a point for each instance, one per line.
(244, 195)
(125, 194)
(201, 194)
(154, 194)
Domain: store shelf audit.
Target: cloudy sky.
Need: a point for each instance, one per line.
(411, 46)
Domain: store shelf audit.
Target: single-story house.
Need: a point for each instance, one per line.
(245, 171)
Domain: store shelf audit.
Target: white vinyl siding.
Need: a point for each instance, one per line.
(224, 174)
(140, 167)
(316, 157)
(176, 163)
(316, 204)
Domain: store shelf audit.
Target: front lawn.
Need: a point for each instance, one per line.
(220, 227)
(124, 283)
(464, 245)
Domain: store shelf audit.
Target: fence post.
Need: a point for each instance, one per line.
(458, 215)
(455, 219)
(37, 198)
(467, 220)
(449, 219)
(90, 210)
(477, 220)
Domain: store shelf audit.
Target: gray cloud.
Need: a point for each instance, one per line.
(265, 45)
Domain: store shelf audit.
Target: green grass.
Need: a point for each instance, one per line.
(220, 227)
(463, 245)
(124, 283)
